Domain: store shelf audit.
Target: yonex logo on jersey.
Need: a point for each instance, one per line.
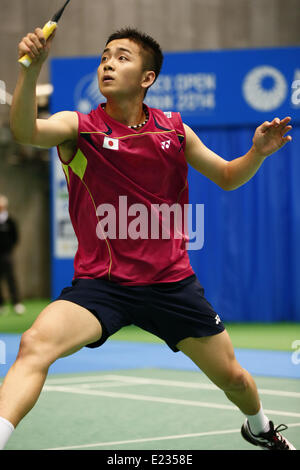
(112, 144)
(218, 319)
(168, 114)
(165, 145)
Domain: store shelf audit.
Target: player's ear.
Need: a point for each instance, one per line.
(148, 79)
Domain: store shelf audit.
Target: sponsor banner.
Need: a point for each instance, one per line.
(242, 87)
(215, 88)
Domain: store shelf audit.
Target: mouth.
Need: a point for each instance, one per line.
(107, 79)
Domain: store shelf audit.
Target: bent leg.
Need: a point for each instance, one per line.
(214, 355)
(62, 328)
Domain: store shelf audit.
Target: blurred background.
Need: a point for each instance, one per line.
(189, 25)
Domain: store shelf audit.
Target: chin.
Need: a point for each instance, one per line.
(107, 93)
(103, 92)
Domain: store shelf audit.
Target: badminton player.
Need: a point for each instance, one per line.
(125, 149)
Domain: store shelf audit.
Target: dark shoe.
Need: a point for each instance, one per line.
(271, 440)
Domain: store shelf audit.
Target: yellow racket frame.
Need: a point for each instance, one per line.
(47, 30)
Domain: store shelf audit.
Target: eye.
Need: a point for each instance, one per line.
(122, 57)
(103, 59)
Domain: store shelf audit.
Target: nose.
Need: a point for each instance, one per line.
(108, 64)
(108, 67)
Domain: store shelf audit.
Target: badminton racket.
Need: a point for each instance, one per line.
(48, 29)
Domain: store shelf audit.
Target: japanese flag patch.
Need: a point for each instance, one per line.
(112, 144)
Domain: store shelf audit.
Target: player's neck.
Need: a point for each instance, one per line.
(127, 112)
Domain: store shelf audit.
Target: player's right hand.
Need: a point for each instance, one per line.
(35, 46)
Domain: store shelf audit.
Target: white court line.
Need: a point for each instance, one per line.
(176, 383)
(97, 386)
(153, 439)
(77, 380)
(174, 401)
(149, 381)
(133, 396)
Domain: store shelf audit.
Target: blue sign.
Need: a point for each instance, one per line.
(213, 88)
(230, 87)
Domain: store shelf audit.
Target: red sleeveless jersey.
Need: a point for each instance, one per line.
(118, 180)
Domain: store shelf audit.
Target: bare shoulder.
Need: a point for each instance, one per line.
(192, 140)
(68, 119)
(204, 160)
(57, 129)
(68, 147)
(67, 116)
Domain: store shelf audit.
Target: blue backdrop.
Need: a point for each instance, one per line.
(249, 264)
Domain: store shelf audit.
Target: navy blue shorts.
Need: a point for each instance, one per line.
(172, 311)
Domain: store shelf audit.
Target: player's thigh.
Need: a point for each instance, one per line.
(62, 328)
(214, 355)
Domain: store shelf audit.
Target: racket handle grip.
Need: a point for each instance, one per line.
(47, 30)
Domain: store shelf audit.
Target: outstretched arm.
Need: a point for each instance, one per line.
(25, 126)
(229, 175)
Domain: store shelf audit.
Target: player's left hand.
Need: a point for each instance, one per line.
(270, 136)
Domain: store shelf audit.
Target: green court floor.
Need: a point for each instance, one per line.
(147, 409)
(142, 409)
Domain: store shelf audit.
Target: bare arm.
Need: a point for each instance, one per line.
(25, 126)
(229, 175)
(204, 160)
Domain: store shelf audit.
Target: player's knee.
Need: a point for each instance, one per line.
(235, 380)
(33, 348)
(29, 344)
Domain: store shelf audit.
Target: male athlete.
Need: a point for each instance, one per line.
(116, 150)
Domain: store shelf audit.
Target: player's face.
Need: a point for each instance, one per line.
(121, 73)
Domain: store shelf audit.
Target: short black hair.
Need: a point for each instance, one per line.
(153, 57)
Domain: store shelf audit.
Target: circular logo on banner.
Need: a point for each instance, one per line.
(264, 88)
(87, 95)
